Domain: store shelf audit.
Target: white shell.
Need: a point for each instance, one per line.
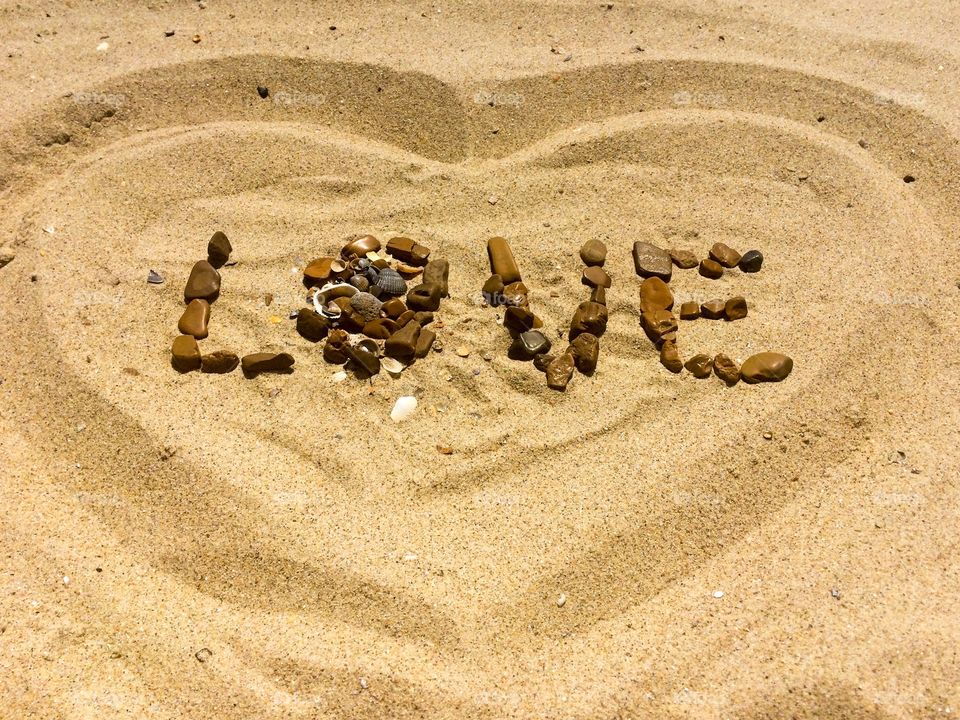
(392, 366)
(338, 376)
(403, 408)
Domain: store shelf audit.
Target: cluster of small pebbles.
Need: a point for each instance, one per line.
(201, 291)
(364, 311)
(655, 266)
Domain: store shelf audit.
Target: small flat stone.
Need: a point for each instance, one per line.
(381, 328)
(528, 345)
(683, 259)
(437, 273)
(586, 352)
(493, 291)
(185, 353)
(589, 317)
(652, 261)
(393, 308)
(463, 351)
(542, 362)
(713, 309)
(402, 345)
(560, 370)
(424, 297)
(658, 323)
(766, 367)
(725, 255)
(700, 366)
(689, 311)
(502, 262)
(593, 252)
(655, 295)
(364, 362)
(195, 319)
(751, 261)
(408, 251)
(312, 325)
(518, 319)
(735, 308)
(320, 270)
(218, 249)
(711, 269)
(670, 357)
(203, 283)
(360, 247)
(263, 91)
(425, 341)
(256, 363)
(219, 361)
(594, 276)
(726, 369)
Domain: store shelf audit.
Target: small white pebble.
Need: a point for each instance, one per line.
(493, 199)
(339, 376)
(49, 230)
(562, 600)
(102, 47)
(410, 556)
(66, 579)
(364, 684)
(718, 593)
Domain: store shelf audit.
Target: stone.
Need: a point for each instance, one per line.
(423, 318)
(312, 325)
(598, 295)
(700, 366)
(502, 262)
(366, 305)
(560, 370)
(652, 261)
(725, 255)
(218, 249)
(195, 319)
(424, 297)
(713, 309)
(726, 369)
(711, 269)
(593, 252)
(334, 350)
(406, 250)
(405, 317)
(263, 91)
(393, 308)
(463, 351)
(518, 319)
(352, 322)
(360, 247)
(515, 294)
(766, 367)
(689, 311)
(203, 283)
(683, 259)
(528, 345)
(589, 317)
(319, 271)
(185, 353)
(493, 291)
(425, 341)
(380, 329)
(437, 272)
(735, 308)
(594, 276)
(256, 363)
(542, 362)
(670, 357)
(366, 362)
(655, 295)
(658, 323)
(751, 261)
(402, 345)
(219, 361)
(586, 351)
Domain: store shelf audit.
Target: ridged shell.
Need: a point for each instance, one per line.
(391, 282)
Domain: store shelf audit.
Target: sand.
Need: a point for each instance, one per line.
(326, 562)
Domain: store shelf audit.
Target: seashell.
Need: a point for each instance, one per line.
(360, 282)
(403, 408)
(370, 345)
(391, 282)
(338, 376)
(367, 305)
(392, 366)
(331, 291)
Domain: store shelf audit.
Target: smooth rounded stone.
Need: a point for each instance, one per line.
(502, 262)
(218, 249)
(262, 90)
(405, 317)
(360, 247)
(424, 342)
(670, 357)
(391, 282)
(650, 260)
(380, 329)
(589, 317)
(542, 362)
(751, 261)
(195, 319)
(311, 325)
(408, 251)
(689, 311)
(593, 252)
(402, 345)
(185, 353)
(560, 370)
(700, 366)
(393, 308)
(766, 367)
(423, 317)
(367, 362)
(594, 276)
(725, 255)
(256, 363)
(683, 259)
(713, 309)
(493, 291)
(518, 319)
(711, 269)
(203, 283)
(334, 350)
(424, 297)
(586, 352)
(366, 305)
(219, 361)
(437, 272)
(527, 345)
(319, 271)
(726, 369)
(598, 295)
(659, 323)
(515, 294)
(655, 295)
(735, 308)
(360, 282)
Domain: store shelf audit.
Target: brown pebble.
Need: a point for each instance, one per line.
(268, 299)
(711, 269)
(670, 357)
(393, 308)
(334, 349)
(598, 295)
(726, 369)
(725, 255)
(652, 261)
(683, 259)
(256, 363)
(593, 252)
(444, 450)
(518, 319)
(493, 291)
(203, 283)
(380, 329)
(735, 308)
(589, 317)
(586, 351)
(713, 309)
(311, 325)
(699, 366)
(560, 370)
(502, 262)
(689, 311)
(408, 251)
(360, 247)
(219, 361)
(402, 345)
(424, 318)
(185, 353)
(594, 276)
(655, 295)
(541, 362)
(218, 249)
(424, 297)
(437, 273)
(658, 323)
(766, 367)
(515, 294)
(424, 342)
(363, 361)
(195, 319)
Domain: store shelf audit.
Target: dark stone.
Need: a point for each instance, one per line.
(598, 295)
(502, 262)
(713, 309)
(670, 357)
(437, 273)
(711, 269)
(203, 283)
(518, 319)
(424, 342)
(735, 308)
(256, 363)
(589, 317)
(593, 252)
(493, 291)
(683, 259)
(408, 251)
(195, 319)
(393, 308)
(766, 367)
(334, 350)
(380, 329)
(423, 318)
(312, 325)
(424, 297)
(185, 353)
(220, 361)
(364, 361)
(528, 345)
(586, 351)
(360, 247)
(652, 261)
(594, 276)
(700, 366)
(751, 261)
(726, 369)
(218, 249)
(560, 370)
(263, 91)
(689, 311)
(725, 255)
(402, 345)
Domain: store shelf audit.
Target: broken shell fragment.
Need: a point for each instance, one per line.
(403, 408)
